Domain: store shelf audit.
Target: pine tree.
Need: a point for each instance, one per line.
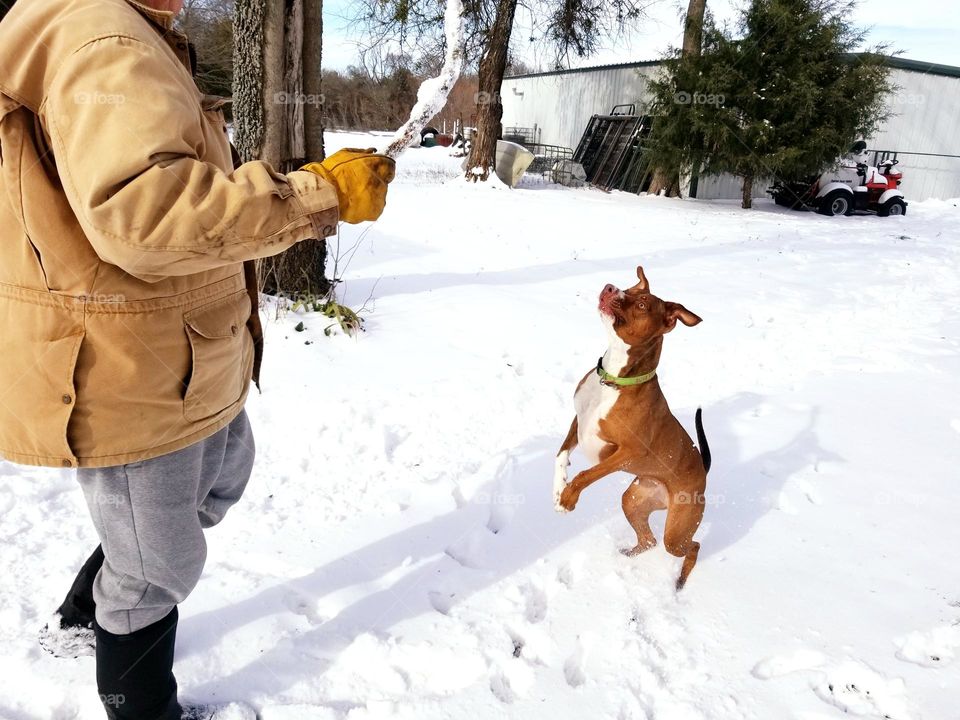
(783, 98)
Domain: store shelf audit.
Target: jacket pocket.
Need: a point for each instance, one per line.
(38, 388)
(219, 345)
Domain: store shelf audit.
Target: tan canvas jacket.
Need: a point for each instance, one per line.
(126, 323)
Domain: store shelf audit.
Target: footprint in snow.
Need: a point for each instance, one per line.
(470, 550)
(442, 602)
(858, 689)
(393, 437)
(511, 680)
(574, 669)
(569, 573)
(536, 602)
(500, 687)
(504, 500)
(850, 685)
(933, 648)
(305, 605)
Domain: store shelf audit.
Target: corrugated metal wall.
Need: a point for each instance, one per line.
(926, 119)
(925, 107)
(561, 104)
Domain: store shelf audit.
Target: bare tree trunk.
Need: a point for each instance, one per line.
(667, 180)
(693, 28)
(312, 83)
(747, 201)
(277, 87)
(493, 65)
(248, 78)
(293, 33)
(274, 130)
(282, 86)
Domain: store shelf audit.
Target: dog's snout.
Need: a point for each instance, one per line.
(608, 297)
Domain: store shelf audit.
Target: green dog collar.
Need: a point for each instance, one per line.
(612, 380)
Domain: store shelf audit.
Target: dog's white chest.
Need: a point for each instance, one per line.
(592, 402)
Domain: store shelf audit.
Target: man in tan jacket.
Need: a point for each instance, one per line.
(128, 304)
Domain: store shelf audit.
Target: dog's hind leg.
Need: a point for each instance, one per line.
(683, 519)
(641, 498)
(689, 560)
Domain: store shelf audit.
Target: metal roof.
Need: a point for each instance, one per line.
(924, 67)
(592, 68)
(892, 61)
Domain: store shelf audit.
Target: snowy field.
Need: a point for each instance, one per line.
(397, 554)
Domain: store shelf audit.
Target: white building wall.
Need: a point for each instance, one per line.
(925, 119)
(561, 104)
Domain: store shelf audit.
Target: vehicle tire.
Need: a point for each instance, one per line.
(893, 206)
(839, 202)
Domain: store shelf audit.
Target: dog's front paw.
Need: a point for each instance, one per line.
(568, 500)
(560, 479)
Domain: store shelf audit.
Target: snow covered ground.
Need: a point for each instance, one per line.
(397, 554)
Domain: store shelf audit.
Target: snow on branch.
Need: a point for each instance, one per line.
(433, 92)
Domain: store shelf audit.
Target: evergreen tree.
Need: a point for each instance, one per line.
(783, 98)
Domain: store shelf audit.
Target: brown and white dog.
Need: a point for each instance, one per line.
(623, 423)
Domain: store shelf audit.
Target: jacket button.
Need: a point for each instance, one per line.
(234, 329)
(67, 463)
(328, 229)
(67, 399)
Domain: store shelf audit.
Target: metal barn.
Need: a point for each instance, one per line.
(554, 108)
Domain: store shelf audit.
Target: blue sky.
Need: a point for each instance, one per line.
(923, 29)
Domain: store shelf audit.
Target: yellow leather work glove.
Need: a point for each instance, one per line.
(361, 178)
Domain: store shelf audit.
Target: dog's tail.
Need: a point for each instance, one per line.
(702, 441)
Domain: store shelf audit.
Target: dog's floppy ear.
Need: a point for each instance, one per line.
(643, 285)
(676, 311)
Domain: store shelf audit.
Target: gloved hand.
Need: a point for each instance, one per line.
(361, 178)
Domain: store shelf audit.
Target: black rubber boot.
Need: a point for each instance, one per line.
(77, 609)
(69, 633)
(135, 672)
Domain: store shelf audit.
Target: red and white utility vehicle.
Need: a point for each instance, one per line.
(852, 186)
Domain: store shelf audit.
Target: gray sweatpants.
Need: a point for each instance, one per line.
(150, 517)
